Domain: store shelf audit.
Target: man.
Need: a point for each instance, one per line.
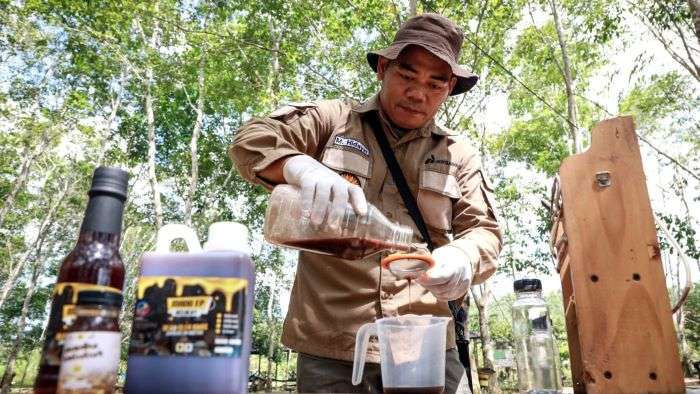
(329, 150)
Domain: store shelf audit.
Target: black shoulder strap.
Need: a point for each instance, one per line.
(399, 178)
(459, 314)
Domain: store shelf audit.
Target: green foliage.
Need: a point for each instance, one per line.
(74, 77)
(540, 142)
(659, 96)
(684, 233)
(666, 14)
(600, 21)
(692, 321)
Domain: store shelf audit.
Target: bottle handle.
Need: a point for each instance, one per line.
(361, 342)
(170, 232)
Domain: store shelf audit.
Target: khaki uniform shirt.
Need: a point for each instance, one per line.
(331, 297)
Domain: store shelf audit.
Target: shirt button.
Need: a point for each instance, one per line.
(385, 295)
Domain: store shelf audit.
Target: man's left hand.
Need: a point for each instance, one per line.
(451, 276)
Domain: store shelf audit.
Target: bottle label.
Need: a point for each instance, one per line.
(90, 362)
(189, 316)
(65, 296)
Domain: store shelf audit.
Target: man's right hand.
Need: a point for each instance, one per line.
(323, 190)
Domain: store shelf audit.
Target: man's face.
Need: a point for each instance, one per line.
(414, 86)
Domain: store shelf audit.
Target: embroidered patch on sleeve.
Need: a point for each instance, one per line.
(351, 143)
(352, 178)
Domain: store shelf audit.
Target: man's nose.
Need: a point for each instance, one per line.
(416, 94)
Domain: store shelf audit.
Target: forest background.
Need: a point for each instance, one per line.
(160, 87)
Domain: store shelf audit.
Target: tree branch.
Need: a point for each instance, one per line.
(680, 33)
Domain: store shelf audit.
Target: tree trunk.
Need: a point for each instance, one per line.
(680, 320)
(483, 303)
(26, 367)
(568, 81)
(198, 124)
(28, 158)
(272, 339)
(17, 343)
(273, 90)
(44, 228)
(695, 16)
(151, 123)
(683, 342)
(107, 127)
(687, 60)
(273, 82)
(412, 8)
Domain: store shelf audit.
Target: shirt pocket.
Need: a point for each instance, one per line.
(436, 193)
(350, 165)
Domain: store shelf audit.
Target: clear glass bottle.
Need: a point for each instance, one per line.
(536, 352)
(356, 238)
(92, 345)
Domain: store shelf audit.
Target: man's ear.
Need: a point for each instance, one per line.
(453, 82)
(382, 65)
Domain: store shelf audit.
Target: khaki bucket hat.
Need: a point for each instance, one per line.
(436, 34)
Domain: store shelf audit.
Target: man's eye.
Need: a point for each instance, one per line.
(406, 77)
(436, 86)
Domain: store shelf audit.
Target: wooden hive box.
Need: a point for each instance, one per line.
(618, 315)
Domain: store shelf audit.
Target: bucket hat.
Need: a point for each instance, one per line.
(437, 34)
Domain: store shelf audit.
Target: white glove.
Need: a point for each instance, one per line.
(451, 276)
(323, 190)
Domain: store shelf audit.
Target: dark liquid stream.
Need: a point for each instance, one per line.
(414, 390)
(346, 248)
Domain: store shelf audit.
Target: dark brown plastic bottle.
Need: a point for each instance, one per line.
(94, 264)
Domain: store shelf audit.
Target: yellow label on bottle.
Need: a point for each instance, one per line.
(189, 316)
(62, 316)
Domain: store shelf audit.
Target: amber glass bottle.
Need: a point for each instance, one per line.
(94, 264)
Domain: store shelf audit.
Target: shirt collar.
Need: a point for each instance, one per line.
(372, 104)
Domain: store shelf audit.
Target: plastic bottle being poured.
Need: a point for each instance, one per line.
(356, 237)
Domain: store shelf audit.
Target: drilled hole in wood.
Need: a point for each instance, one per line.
(652, 376)
(607, 374)
(636, 277)
(594, 278)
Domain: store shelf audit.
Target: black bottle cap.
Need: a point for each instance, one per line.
(110, 180)
(539, 323)
(521, 285)
(96, 297)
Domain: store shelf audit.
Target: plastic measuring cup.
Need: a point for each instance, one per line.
(411, 352)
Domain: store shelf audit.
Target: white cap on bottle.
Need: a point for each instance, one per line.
(227, 236)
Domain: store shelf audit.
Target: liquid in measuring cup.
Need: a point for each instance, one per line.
(411, 353)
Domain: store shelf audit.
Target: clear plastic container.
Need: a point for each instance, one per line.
(356, 238)
(411, 352)
(536, 352)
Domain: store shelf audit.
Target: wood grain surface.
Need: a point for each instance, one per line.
(621, 334)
